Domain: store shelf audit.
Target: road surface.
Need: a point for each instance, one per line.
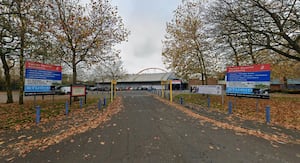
(149, 131)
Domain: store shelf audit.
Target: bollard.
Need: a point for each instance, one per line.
(38, 114)
(229, 107)
(80, 103)
(99, 104)
(181, 100)
(268, 116)
(67, 108)
(208, 102)
(104, 101)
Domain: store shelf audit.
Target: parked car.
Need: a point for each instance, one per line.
(66, 89)
(93, 88)
(62, 90)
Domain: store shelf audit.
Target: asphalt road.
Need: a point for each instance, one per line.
(148, 130)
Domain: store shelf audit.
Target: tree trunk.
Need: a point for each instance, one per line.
(22, 47)
(235, 53)
(7, 80)
(74, 64)
(74, 69)
(251, 50)
(21, 92)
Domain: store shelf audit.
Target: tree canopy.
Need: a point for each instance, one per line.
(205, 37)
(62, 32)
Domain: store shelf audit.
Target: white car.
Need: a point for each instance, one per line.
(65, 89)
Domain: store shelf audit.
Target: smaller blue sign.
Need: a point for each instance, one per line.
(246, 91)
(34, 88)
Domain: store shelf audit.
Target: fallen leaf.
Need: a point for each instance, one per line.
(102, 142)
(18, 127)
(238, 149)
(215, 128)
(2, 142)
(156, 138)
(22, 136)
(274, 145)
(10, 159)
(72, 140)
(86, 155)
(211, 147)
(239, 134)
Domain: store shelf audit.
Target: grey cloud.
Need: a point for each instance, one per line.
(146, 47)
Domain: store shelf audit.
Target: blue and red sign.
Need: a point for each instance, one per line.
(40, 77)
(250, 81)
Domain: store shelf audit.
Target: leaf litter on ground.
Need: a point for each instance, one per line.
(78, 121)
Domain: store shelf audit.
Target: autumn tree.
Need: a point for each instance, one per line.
(22, 22)
(16, 17)
(282, 67)
(8, 44)
(86, 34)
(26, 26)
(255, 25)
(185, 45)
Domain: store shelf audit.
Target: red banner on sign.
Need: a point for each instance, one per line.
(41, 66)
(252, 68)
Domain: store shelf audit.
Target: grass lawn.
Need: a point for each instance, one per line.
(285, 108)
(25, 115)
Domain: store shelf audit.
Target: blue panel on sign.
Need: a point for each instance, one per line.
(249, 76)
(42, 74)
(239, 90)
(30, 88)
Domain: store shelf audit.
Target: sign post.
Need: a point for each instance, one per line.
(163, 83)
(171, 91)
(113, 90)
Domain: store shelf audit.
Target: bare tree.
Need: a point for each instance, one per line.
(112, 70)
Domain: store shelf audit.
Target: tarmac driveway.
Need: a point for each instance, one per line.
(148, 130)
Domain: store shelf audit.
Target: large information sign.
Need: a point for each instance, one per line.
(40, 77)
(248, 81)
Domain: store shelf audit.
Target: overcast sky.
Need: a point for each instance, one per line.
(146, 19)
